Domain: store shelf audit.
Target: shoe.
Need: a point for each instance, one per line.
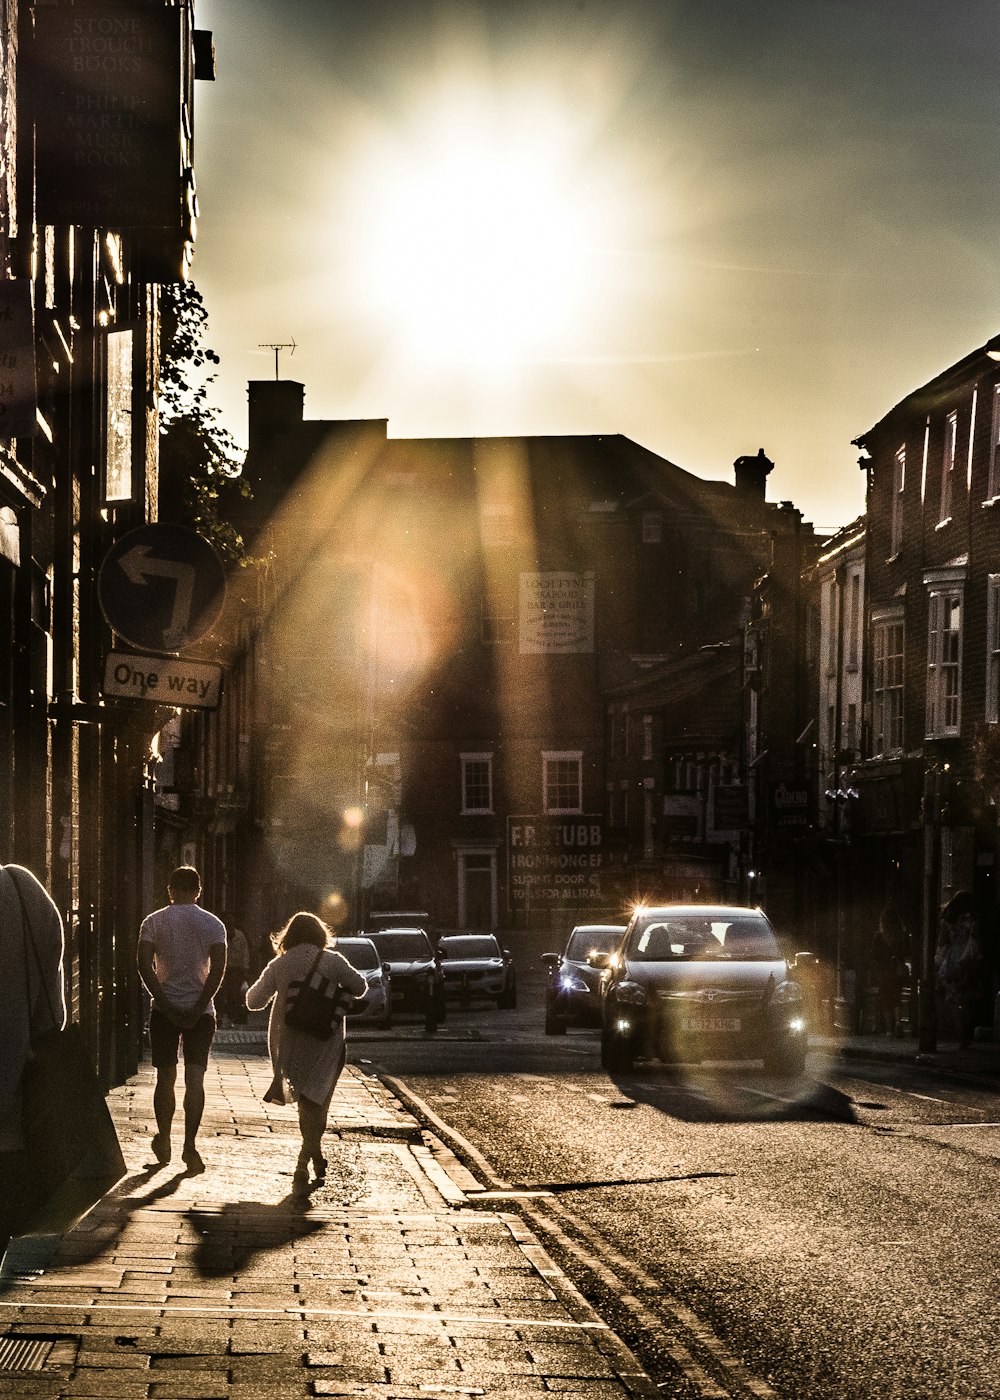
(161, 1148)
(319, 1167)
(193, 1161)
(300, 1180)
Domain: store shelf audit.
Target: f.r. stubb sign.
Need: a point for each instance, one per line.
(554, 861)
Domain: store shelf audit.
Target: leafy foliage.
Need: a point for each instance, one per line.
(200, 468)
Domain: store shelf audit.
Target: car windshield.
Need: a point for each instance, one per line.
(584, 941)
(403, 947)
(480, 947)
(359, 952)
(668, 938)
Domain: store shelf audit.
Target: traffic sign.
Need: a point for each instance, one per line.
(162, 680)
(161, 587)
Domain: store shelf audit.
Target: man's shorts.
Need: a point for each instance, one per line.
(164, 1038)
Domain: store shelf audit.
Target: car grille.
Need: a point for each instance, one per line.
(713, 1015)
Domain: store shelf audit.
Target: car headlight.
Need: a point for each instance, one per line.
(572, 982)
(787, 993)
(630, 994)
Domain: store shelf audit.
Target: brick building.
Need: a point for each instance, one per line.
(927, 781)
(96, 210)
(452, 632)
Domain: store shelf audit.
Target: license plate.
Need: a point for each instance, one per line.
(706, 1025)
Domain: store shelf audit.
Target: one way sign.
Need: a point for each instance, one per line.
(161, 587)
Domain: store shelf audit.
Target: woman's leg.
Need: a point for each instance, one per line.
(312, 1126)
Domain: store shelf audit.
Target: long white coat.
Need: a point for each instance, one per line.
(307, 1067)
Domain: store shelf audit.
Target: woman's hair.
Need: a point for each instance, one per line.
(302, 928)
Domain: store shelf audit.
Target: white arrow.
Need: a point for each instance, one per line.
(139, 568)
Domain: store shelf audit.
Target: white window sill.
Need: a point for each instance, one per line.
(942, 523)
(891, 558)
(990, 502)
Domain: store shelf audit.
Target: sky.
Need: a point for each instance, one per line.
(709, 225)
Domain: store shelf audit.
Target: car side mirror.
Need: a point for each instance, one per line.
(550, 959)
(601, 960)
(802, 960)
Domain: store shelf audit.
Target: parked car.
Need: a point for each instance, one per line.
(475, 965)
(701, 982)
(415, 970)
(382, 919)
(573, 993)
(362, 954)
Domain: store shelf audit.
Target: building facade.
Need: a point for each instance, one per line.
(96, 211)
(471, 675)
(927, 782)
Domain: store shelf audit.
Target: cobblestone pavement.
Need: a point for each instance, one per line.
(385, 1282)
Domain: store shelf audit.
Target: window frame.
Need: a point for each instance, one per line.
(948, 457)
(993, 472)
(888, 692)
(992, 698)
(468, 760)
(944, 661)
(898, 493)
(563, 756)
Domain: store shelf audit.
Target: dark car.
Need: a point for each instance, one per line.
(475, 965)
(415, 970)
(572, 996)
(701, 982)
(382, 919)
(364, 957)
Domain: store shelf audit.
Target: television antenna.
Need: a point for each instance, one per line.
(277, 347)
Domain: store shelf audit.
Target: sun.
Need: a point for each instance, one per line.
(478, 240)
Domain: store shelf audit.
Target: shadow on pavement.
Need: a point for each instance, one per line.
(731, 1094)
(235, 1234)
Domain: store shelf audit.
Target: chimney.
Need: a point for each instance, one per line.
(751, 475)
(276, 407)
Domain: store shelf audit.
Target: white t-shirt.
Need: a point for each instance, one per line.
(182, 935)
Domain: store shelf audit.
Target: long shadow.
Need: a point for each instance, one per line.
(235, 1235)
(105, 1223)
(731, 1094)
(719, 1093)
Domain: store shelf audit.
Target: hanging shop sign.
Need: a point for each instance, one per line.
(18, 391)
(108, 113)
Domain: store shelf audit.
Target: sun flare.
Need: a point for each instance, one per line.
(479, 242)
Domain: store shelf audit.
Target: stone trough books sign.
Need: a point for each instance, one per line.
(108, 109)
(554, 862)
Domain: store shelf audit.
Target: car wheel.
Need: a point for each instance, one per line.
(554, 1025)
(617, 1054)
(507, 1000)
(786, 1061)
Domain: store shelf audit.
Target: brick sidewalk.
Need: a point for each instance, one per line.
(384, 1283)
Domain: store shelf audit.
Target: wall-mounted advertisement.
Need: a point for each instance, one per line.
(554, 862)
(556, 613)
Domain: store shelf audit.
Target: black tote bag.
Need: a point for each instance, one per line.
(317, 1003)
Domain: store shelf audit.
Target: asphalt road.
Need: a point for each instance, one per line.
(825, 1238)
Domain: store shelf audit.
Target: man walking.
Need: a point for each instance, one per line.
(182, 960)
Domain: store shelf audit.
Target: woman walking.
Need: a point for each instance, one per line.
(306, 1069)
